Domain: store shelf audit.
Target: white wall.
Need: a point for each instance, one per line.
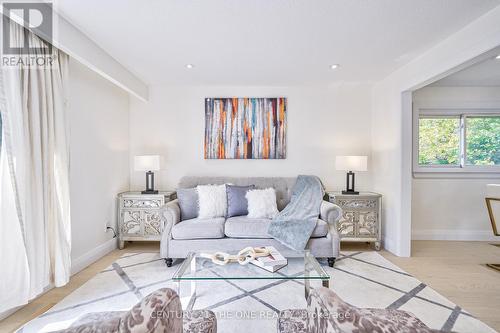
(392, 120)
(99, 146)
(444, 208)
(322, 122)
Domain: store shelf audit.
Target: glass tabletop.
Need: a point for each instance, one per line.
(196, 267)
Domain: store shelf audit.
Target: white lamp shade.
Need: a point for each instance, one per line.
(351, 163)
(147, 163)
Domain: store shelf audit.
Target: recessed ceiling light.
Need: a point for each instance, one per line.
(189, 66)
(334, 66)
(497, 57)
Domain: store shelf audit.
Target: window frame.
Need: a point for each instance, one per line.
(462, 167)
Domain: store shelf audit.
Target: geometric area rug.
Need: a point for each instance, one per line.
(364, 279)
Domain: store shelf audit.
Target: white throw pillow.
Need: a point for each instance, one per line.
(262, 203)
(212, 201)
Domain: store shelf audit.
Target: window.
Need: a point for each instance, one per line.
(439, 141)
(452, 141)
(482, 140)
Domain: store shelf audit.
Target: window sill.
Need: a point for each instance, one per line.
(457, 173)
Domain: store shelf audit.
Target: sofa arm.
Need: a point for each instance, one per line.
(170, 215)
(330, 212)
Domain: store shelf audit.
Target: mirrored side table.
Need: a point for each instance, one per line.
(139, 217)
(361, 216)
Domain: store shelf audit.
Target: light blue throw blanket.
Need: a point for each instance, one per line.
(294, 225)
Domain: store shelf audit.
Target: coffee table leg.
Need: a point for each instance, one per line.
(192, 291)
(177, 287)
(307, 286)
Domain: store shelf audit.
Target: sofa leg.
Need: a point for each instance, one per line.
(331, 261)
(169, 262)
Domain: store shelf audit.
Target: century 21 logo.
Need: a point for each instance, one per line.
(37, 16)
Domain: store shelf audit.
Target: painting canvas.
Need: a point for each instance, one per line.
(245, 128)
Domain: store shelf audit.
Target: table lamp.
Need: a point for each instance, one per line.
(148, 163)
(350, 164)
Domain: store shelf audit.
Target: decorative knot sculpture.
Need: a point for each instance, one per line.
(243, 257)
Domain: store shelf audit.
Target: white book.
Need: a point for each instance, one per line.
(271, 269)
(273, 259)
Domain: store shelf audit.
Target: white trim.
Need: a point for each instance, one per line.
(93, 255)
(406, 162)
(389, 245)
(454, 235)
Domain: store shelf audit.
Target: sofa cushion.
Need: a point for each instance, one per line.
(212, 201)
(262, 203)
(188, 203)
(237, 203)
(199, 228)
(244, 227)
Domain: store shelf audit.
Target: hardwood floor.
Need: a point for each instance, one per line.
(457, 270)
(454, 269)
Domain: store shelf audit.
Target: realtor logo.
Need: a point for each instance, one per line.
(37, 16)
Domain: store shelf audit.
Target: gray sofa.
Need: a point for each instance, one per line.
(234, 233)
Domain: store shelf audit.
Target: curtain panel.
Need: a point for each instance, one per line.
(35, 226)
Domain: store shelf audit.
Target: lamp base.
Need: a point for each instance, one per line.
(350, 192)
(150, 192)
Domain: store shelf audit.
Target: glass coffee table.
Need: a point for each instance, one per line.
(196, 269)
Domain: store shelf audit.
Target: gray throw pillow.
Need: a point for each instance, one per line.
(237, 203)
(188, 202)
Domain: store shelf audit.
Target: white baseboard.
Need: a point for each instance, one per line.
(92, 256)
(455, 235)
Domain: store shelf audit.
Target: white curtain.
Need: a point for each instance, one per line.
(35, 234)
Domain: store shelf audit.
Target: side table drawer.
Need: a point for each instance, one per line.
(357, 203)
(142, 203)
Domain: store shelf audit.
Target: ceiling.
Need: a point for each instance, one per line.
(263, 42)
(483, 74)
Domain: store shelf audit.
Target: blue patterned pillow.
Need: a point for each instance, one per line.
(237, 203)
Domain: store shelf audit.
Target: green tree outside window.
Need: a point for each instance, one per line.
(483, 140)
(439, 141)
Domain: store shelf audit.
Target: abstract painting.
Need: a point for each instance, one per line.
(245, 128)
